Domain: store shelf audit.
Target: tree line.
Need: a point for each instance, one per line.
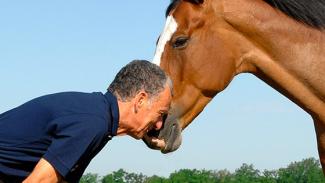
(305, 171)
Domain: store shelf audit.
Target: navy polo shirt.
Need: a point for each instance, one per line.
(67, 129)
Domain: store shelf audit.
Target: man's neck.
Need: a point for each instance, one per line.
(125, 117)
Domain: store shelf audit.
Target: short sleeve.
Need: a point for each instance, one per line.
(74, 137)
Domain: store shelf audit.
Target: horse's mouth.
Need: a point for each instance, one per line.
(171, 137)
(152, 134)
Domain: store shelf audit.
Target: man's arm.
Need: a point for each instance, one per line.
(43, 172)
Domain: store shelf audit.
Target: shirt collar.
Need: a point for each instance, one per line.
(112, 100)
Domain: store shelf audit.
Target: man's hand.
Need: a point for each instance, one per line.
(43, 172)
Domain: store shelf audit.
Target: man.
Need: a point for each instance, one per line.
(53, 138)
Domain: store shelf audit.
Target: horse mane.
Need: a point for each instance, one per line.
(310, 12)
(173, 4)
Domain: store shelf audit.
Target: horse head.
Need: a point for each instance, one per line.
(184, 52)
(201, 51)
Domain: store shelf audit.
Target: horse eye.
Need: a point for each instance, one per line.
(180, 42)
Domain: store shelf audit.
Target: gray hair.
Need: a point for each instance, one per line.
(136, 76)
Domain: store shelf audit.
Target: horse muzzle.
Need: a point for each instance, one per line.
(170, 133)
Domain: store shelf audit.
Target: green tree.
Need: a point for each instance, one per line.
(269, 176)
(156, 179)
(246, 174)
(134, 178)
(115, 177)
(181, 176)
(223, 176)
(89, 178)
(305, 171)
(192, 176)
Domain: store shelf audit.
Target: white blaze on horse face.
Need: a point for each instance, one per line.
(169, 30)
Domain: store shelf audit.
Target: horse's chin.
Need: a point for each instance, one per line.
(170, 133)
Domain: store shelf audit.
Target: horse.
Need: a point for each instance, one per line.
(206, 43)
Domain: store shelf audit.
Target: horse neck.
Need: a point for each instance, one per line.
(285, 54)
(294, 79)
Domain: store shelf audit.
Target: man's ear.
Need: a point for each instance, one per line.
(140, 99)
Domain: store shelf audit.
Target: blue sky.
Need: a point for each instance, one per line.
(54, 46)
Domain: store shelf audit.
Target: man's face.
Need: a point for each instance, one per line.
(150, 112)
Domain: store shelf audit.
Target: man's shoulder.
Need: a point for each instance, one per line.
(72, 105)
(74, 102)
(69, 94)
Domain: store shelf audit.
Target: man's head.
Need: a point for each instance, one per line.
(145, 92)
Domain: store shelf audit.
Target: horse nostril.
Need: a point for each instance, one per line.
(164, 117)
